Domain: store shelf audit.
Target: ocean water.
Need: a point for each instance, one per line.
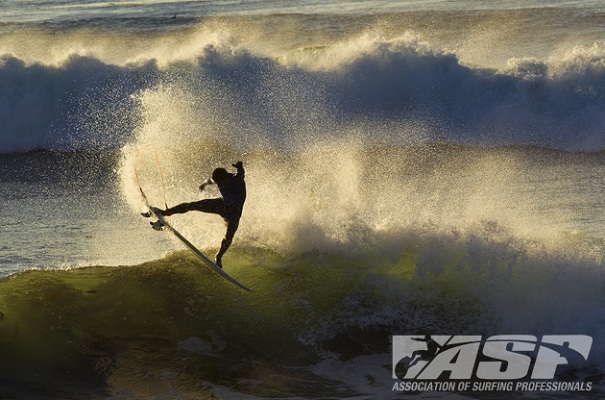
(413, 167)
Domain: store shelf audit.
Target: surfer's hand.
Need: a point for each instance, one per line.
(238, 164)
(202, 186)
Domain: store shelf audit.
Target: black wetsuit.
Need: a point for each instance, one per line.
(229, 206)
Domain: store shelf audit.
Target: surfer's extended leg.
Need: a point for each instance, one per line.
(214, 206)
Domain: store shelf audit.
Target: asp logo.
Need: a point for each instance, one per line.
(500, 357)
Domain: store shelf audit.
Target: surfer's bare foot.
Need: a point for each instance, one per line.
(218, 261)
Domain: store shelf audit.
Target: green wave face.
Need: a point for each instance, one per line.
(173, 323)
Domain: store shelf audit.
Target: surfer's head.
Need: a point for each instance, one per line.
(219, 175)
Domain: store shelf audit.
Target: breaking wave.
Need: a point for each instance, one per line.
(394, 90)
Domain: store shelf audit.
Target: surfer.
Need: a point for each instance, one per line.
(229, 206)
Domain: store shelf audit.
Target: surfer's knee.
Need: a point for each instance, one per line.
(232, 225)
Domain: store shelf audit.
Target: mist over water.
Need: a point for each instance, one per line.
(344, 133)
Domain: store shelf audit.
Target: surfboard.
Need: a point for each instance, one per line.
(155, 212)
